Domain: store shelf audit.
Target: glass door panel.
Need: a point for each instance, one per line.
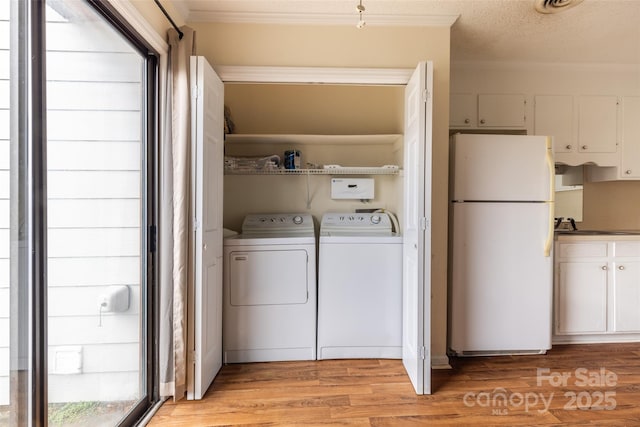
(96, 199)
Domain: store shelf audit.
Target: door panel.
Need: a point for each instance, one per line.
(208, 141)
(416, 287)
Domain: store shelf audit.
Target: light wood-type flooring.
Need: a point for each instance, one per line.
(570, 385)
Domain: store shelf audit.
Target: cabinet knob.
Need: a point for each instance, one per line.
(628, 171)
(482, 121)
(568, 146)
(467, 121)
(621, 267)
(604, 267)
(584, 147)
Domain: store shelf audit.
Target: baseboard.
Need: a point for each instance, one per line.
(440, 361)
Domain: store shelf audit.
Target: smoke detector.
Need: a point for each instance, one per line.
(555, 6)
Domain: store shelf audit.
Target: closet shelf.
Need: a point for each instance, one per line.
(329, 171)
(304, 139)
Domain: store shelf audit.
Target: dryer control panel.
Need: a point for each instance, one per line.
(354, 223)
(292, 223)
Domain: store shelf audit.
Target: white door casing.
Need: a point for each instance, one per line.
(207, 133)
(416, 282)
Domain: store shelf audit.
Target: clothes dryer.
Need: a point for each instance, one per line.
(270, 293)
(359, 287)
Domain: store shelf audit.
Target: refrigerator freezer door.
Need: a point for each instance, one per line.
(501, 280)
(502, 167)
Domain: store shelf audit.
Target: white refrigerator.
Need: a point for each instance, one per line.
(501, 266)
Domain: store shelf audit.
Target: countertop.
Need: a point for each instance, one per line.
(607, 235)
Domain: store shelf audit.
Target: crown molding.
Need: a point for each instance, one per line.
(327, 75)
(321, 19)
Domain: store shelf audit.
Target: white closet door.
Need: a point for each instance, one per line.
(207, 108)
(416, 286)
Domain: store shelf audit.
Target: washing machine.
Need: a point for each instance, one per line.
(270, 292)
(359, 287)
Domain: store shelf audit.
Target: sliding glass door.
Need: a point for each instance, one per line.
(76, 214)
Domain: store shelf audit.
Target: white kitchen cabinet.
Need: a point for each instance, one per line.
(597, 124)
(630, 141)
(463, 110)
(626, 287)
(585, 130)
(484, 111)
(627, 166)
(553, 116)
(501, 111)
(597, 290)
(581, 297)
(626, 297)
(580, 304)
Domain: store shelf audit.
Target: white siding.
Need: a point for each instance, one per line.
(98, 271)
(95, 67)
(4, 202)
(4, 273)
(83, 301)
(4, 95)
(92, 96)
(93, 125)
(94, 217)
(92, 213)
(4, 124)
(94, 154)
(93, 184)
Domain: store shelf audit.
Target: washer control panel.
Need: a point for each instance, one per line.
(277, 223)
(377, 222)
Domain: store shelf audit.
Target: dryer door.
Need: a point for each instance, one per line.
(267, 277)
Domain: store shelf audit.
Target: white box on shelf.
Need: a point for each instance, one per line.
(352, 188)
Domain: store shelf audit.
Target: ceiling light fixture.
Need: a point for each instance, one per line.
(555, 6)
(360, 9)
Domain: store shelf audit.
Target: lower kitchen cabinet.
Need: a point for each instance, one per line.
(626, 297)
(581, 298)
(596, 290)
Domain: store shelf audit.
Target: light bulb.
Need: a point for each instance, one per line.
(360, 24)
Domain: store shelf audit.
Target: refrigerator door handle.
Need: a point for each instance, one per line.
(550, 231)
(552, 179)
(552, 170)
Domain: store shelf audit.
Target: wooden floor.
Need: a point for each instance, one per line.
(571, 385)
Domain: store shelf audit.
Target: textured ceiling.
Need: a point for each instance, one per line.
(486, 30)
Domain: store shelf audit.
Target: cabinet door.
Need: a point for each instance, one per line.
(630, 158)
(499, 111)
(597, 124)
(553, 116)
(626, 303)
(581, 298)
(462, 110)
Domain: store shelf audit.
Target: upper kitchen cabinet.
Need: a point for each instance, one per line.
(628, 165)
(553, 116)
(630, 158)
(463, 110)
(584, 128)
(501, 111)
(597, 124)
(487, 111)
